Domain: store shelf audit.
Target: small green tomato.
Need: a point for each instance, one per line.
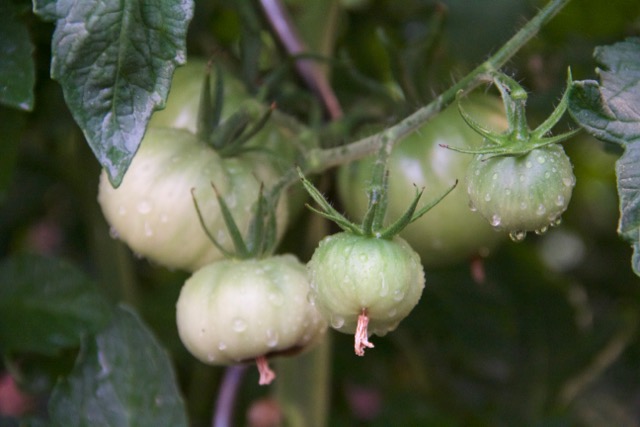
(234, 311)
(365, 285)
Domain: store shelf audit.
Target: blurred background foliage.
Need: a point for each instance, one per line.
(548, 338)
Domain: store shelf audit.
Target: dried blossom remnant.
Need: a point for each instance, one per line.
(266, 374)
(361, 335)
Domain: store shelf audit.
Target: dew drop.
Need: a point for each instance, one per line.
(547, 174)
(337, 322)
(272, 338)
(239, 325)
(517, 235)
(311, 298)
(523, 205)
(521, 178)
(542, 230)
(392, 313)
(556, 222)
(398, 295)
(494, 176)
(384, 288)
(472, 207)
(211, 357)
(496, 220)
(560, 200)
(477, 172)
(222, 346)
(507, 191)
(487, 197)
(541, 159)
(568, 182)
(529, 165)
(148, 231)
(541, 210)
(113, 233)
(144, 207)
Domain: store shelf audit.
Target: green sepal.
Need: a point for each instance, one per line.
(210, 108)
(217, 244)
(518, 139)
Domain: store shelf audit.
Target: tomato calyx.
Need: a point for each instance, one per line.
(518, 139)
(260, 239)
(372, 224)
(228, 138)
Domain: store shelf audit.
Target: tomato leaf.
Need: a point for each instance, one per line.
(122, 377)
(114, 60)
(610, 111)
(17, 70)
(46, 304)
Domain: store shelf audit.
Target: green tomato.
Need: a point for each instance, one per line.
(234, 311)
(356, 279)
(522, 193)
(450, 232)
(153, 210)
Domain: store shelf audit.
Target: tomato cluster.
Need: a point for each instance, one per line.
(254, 305)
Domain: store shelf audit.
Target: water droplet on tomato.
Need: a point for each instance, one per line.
(560, 200)
(311, 298)
(392, 313)
(337, 322)
(239, 325)
(272, 338)
(541, 159)
(494, 176)
(541, 210)
(148, 231)
(211, 357)
(487, 197)
(222, 346)
(568, 181)
(113, 233)
(472, 207)
(523, 205)
(144, 207)
(542, 230)
(529, 165)
(556, 222)
(398, 295)
(496, 220)
(384, 288)
(517, 235)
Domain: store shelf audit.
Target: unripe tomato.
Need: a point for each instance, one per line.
(234, 311)
(153, 210)
(353, 277)
(450, 232)
(522, 193)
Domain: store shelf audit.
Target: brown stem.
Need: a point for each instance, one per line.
(309, 70)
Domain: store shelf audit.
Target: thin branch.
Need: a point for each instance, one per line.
(223, 414)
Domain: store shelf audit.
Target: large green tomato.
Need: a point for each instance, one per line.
(153, 211)
(450, 232)
(234, 311)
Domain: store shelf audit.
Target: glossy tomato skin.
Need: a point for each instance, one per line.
(350, 274)
(153, 210)
(522, 193)
(234, 311)
(450, 232)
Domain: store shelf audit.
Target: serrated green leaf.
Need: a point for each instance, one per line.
(46, 9)
(46, 304)
(17, 70)
(114, 60)
(610, 111)
(122, 377)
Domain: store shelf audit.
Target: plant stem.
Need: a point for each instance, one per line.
(223, 413)
(321, 159)
(310, 71)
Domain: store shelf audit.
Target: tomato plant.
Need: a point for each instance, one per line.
(150, 165)
(450, 232)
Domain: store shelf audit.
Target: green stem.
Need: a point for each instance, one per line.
(321, 159)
